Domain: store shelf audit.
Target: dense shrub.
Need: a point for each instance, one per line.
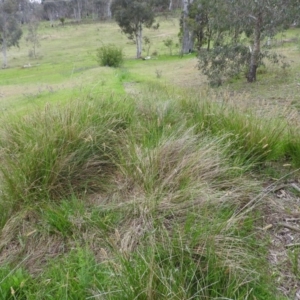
(110, 55)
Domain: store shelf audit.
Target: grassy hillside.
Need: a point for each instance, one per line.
(141, 182)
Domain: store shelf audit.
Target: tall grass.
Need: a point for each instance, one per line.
(60, 150)
(292, 145)
(254, 139)
(191, 262)
(140, 199)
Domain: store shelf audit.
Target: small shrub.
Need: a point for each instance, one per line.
(147, 43)
(110, 55)
(261, 70)
(156, 27)
(62, 21)
(169, 44)
(154, 53)
(158, 73)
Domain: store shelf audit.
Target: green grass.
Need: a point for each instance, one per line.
(66, 63)
(78, 136)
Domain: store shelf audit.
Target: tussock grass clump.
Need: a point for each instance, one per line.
(60, 151)
(183, 241)
(257, 133)
(292, 146)
(253, 139)
(173, 268)
(182, 161)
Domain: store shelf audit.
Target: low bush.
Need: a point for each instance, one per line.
(110, 55)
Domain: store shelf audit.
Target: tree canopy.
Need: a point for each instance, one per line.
(10, 31)
(132, 15)
(237, 30)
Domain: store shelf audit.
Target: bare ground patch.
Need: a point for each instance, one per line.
(281, 219)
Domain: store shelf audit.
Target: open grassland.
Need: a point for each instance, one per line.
(67, 63)
(141, 182)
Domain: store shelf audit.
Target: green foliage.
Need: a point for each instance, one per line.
(14, 284)
(169, 44)
(158, 197)
(157, 217)
(33, 37)
(131, 14)
(62, 20)
(199, 14)
(147, 43)
(237, 31)
(230, 59)
(10, 30)
(223, 62)
(110, 56)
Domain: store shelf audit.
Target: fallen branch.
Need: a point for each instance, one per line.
(292, 245)
(289, 226)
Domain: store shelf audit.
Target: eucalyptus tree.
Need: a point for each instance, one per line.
(200, 20)
(132, 15)
(108, 9)
(209, 20)
(241, 27)
(10, 30)
(186, 30)
(261, 19)
(33, 37)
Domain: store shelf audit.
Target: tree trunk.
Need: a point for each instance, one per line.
(51, 18)
(108, 12)
(251, 77)
(170, 5)
(139, 40)
(187, 35)
(79, 10)
(4, 48)
(75, 12)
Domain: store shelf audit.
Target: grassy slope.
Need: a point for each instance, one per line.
(135, 188)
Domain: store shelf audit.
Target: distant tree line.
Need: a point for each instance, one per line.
(76, 9)
(228, 35)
